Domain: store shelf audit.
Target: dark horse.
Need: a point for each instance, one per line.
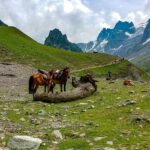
(40, 79)
(60, 78)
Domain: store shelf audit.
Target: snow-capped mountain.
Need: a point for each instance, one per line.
(109, 40)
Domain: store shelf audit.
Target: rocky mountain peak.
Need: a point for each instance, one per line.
(125, 26)
(59, 40)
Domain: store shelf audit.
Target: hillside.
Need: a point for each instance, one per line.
(16, 46)
(115, 117)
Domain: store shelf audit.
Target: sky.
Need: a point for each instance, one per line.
(80, 20)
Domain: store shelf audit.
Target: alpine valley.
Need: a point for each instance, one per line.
(124, 40)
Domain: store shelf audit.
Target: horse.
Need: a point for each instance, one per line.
(41, 78)
(60, 78)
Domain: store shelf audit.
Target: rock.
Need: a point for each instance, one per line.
(110, 142)
(132, 92)
(109, 148)
(54, 142)
(24, 143)
(83, 110)
(82, 135)
(98, 138)
(90, 101)
(127, 102)
(65, 107)
(91, 107)
(22, 119)
(91, 144)
(141, 119)
(82, 104)
(57, 134)
(41, 112)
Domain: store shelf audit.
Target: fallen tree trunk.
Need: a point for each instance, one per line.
(82, 91)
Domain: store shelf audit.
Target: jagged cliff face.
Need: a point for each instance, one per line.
(57, 39)
(146, 34)
(109, 40)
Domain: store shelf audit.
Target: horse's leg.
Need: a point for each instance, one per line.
(52, 87)
(64, 86)
(61, 87)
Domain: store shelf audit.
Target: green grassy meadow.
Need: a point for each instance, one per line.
(115, 125)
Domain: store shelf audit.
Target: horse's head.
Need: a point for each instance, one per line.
(66, 70)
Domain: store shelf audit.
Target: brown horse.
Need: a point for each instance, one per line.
(60, 78)
(40, 79)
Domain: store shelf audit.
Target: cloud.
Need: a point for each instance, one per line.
(75, 5)
(137, 17)
(115, 16)
(81, 20)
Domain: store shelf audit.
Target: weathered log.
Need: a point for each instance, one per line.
(82, 91)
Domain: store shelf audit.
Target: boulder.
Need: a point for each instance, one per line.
(24, 143)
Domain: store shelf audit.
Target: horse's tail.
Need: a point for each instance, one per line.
(31, 85)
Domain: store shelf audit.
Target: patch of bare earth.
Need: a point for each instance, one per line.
(14, 81)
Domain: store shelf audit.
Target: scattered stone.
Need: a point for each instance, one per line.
(82, 135)
(70, 149)
(22, 119)
(57, 134)
(118, 98)
(90, 101)
(127, 102)
(57, 125)
(91, 107)
(132, 92)
(41, 112)
(91, 144)
(141, 119)
(109, 107)
(110, 142)
(65, 107)
(82, 104)
(109, 148)
(54, 142)
(138, 108)
(74, 112)
(98, 138)
(24, 143)
(83, 110)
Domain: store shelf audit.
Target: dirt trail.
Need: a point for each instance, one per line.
(99, 66)
(14, 81)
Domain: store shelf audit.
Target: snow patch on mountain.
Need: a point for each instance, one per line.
(147, 41)
(103, 43)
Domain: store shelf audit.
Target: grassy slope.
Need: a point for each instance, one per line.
(21, 48)
(120, 69)
(143, 61)
(106, 120)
